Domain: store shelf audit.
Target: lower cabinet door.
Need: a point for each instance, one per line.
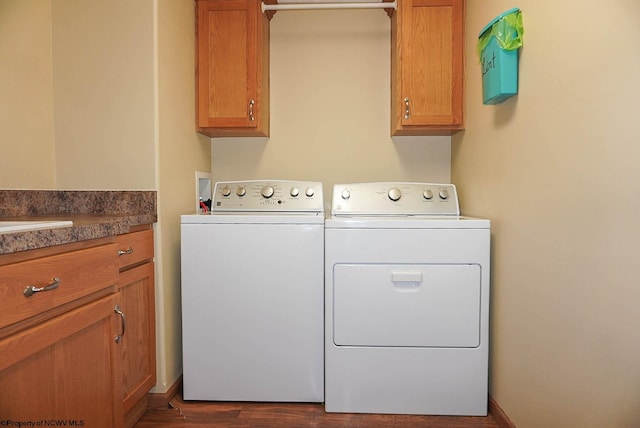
(137, 301)
(66, 371)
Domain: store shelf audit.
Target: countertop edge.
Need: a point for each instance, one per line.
(83, 229)
(95, 214)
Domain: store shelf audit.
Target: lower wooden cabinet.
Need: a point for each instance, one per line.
(65, 370)
(79, 350)
(136, 299)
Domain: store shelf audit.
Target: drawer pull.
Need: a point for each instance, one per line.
(118, 311)
(33, 289)
(127, 251)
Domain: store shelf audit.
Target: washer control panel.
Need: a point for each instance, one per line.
(394, 198)
(267, 196)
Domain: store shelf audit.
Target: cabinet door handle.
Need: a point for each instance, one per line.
(55, 283)
(127, 251)
(118, 311)
(407, 115)
(251, 104)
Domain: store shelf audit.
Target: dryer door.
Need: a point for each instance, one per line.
(407, 305)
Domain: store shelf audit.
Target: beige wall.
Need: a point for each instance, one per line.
(100, 95)
(181, 152)
(77, 92)
(330, 102)
(556, 170)
(103, 65)
(26, 95)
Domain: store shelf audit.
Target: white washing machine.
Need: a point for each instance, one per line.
(252, 294)
(406, 302)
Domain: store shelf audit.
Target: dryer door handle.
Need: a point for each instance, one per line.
(406, 280)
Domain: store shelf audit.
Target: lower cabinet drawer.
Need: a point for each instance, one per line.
(33, 287)
(135, 247)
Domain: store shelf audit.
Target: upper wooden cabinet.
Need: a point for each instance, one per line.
(427, 67)
(232, 68)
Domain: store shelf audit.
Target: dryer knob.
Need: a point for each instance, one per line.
(294, 192)
(241, 191)
(226, 191)
(427, 194)
(267, 191)
(309, 192)
(345, 194)
(394, 194)
(444, 194)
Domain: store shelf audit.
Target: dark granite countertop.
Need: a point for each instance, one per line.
(95, 214)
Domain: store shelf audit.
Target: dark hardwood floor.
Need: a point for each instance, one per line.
(182, 413)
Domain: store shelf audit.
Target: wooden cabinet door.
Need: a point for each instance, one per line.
(64, 370)
(428, 67)
(138, 345)
(232, 68)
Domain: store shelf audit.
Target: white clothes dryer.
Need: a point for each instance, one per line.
(252, 294)
(406, 302)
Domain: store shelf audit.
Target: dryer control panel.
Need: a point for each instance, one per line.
(394, 199)
(268, 196)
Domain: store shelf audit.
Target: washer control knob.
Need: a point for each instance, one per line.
(427, 194)
(294, 192)
(345, 194)
(226, 191)
(241, 191)
(309, 192)
(394, 194)
(444, 194)
(267, 191)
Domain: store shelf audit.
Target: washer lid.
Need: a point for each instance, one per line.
(395, 199)
(254, 218)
